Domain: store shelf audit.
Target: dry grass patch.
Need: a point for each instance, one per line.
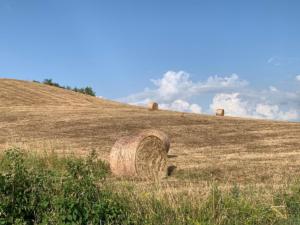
(246, 151)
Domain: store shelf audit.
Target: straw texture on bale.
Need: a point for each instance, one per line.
(153, 106)
(143, 155)
(220, 112)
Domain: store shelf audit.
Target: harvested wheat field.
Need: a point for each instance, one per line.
(228, 150)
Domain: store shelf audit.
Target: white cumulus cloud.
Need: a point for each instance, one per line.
(272, 88)
(178, 91)
(233, 105)
(174, 85)
(274, 112)
(237, 104)
(174, 90)
(182, 106)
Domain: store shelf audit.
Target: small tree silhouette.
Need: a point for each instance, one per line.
(87, 90)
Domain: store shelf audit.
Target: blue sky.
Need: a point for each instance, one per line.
(118, 47)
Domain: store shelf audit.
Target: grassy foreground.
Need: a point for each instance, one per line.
(67, 190)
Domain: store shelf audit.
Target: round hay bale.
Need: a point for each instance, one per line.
(220, 112)
(143, 155)
(161, 135)
(153, 106)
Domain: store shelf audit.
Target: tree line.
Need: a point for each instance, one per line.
(85, 90)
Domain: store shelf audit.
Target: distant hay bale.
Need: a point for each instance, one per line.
(220, 112)
(153, 106)
(143, 155)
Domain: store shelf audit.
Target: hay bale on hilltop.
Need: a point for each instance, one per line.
(220, 112)
(143, 155)
(153, 106)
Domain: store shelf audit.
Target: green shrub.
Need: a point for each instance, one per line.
(37, 195)
(291, 200)
(68, 190)
(87, 90)
(24, 194)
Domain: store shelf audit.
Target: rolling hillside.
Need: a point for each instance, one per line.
(44, 118)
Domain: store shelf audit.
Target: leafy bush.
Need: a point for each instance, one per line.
(233, 209)
(87, 90)
(291, 202)
(39, 195)
(51, 83)
(58, 190)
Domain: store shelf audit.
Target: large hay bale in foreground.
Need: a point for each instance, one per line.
(220, 112)
(153, 106)
(143, 155)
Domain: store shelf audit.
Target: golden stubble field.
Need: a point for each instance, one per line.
(203, 148)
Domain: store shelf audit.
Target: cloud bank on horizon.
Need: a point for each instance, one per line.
(177, 91)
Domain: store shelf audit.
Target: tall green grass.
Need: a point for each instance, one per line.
(67, 190)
